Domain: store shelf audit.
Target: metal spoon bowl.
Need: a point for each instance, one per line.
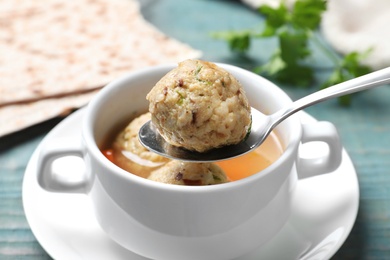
(262, 125)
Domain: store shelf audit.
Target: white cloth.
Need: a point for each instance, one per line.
(358, 25)
(273, 3)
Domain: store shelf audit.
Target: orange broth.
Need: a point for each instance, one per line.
(253, 162)
(235, 169)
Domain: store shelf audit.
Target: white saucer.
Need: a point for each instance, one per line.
(324, 211)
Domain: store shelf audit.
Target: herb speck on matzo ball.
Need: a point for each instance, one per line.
(200, 106)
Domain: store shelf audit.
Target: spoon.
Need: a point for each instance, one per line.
(262, 125)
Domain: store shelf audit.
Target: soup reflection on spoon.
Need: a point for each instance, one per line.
(262, 125)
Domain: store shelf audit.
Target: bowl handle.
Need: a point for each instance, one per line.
(51, 181)
(327, 133)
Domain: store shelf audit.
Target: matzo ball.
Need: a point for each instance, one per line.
(200, 106)
(191, 174)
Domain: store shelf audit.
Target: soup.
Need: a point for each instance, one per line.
(125, 151)
(253, 162)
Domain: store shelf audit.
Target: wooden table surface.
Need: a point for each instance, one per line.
(364, 128)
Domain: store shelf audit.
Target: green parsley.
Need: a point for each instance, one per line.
(295, 29)
(181, 98)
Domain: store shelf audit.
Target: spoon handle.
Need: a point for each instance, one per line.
(371, 80)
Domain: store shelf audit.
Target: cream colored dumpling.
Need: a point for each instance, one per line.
(200, 106)
(186, 173)
(131, 155)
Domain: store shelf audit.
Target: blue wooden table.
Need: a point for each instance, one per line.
(364, 128)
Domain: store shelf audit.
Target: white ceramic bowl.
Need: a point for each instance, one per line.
(163, 221)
